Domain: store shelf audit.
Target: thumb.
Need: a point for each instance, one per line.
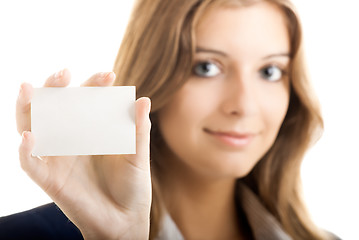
(143, 128)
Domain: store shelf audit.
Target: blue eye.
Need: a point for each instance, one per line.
(271, 73)
(206, 69)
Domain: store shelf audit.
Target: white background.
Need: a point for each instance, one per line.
(38, 38)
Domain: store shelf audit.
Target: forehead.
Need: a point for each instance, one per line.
(255, 30)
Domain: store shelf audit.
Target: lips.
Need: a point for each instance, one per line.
(232, 138)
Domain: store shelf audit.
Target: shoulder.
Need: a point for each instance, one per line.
(44, 222)
(332, 236)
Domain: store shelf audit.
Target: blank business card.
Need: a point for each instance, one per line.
(84, 121)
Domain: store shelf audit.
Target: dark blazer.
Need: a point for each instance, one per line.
(44, 222)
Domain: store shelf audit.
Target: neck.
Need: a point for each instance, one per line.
(202, 207)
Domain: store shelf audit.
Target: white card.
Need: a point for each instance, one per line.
(83, 121)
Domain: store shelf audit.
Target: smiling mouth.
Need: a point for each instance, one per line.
(231, 138)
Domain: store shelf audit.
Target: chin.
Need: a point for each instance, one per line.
(232, 165)
(240, 173)
(232, 170)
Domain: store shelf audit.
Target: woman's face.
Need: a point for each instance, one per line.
(227, 116)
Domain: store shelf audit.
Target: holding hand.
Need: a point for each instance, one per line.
(106, 196)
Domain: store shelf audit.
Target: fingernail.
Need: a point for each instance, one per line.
(106, 75)
(112, 75)
(58, 75)
(20, 90)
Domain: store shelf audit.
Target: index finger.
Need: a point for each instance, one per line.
(23, 103)
(23, 108)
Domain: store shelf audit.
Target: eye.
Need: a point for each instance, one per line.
(206, 69)
(271, 73)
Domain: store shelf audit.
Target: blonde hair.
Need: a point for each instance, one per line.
(156, 56)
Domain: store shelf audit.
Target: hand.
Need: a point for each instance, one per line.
(106, 197)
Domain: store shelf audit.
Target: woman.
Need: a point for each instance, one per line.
(232, 116)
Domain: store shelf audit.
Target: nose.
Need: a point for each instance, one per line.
(240, 96)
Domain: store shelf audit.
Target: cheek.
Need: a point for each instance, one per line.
(275, 106)
(192, 104)
(182, 120)
(183, 114)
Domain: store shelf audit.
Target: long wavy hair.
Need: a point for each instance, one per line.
(156, 55)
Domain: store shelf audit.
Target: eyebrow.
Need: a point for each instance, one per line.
(201, 49)
(287, 55)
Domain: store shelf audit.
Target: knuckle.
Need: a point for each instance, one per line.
(22, 126)
(145, 127)
(147, 122)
